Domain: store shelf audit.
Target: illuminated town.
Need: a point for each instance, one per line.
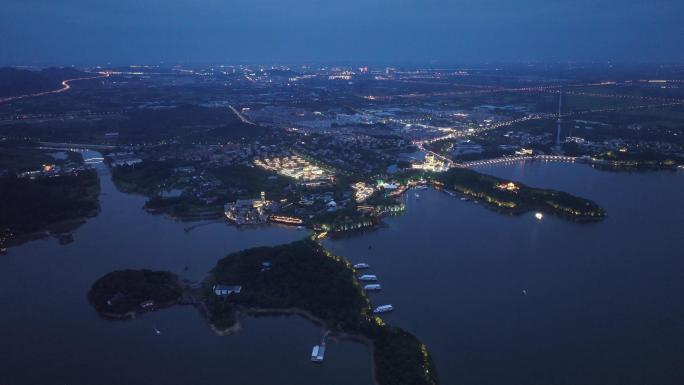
(297, 168)
(342, 193)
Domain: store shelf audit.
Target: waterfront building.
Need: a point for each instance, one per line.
(226, 290)
(362, 191)
(318, 353)
(249, 211)
(431, 163)
(508, 186)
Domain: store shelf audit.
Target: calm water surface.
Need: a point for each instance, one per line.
(604, 304)
(49, 334)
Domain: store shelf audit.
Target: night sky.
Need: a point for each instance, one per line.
(391, 31)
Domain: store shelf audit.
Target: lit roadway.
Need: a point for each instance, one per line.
(512, 159)
(484, 89)
(65, 87)
(240, 116)
(421, 143)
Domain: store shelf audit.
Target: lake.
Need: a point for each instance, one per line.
(604, 303)
(49, 333)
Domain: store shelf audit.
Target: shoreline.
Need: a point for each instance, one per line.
(57, 230)
(524, 210)
(317, 321)
(241, 312)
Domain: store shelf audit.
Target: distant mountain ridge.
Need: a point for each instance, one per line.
(16, 81)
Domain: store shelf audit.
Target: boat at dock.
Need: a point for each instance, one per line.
(368, 277)
(383, 309)
(318, 353)
(372, 287)
(360, 266)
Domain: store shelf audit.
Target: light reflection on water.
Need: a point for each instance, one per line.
(50, 335)
(604, 301)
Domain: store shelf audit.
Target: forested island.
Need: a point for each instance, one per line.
(634, 161)
(517, 198)
(297, 278)
(31, 208)
(125, 293)
(41, 195)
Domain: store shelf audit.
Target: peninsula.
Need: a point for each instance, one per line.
(517, 198)
(41, 195)
(298, 278)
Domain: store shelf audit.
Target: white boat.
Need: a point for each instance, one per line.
(417, 196)
(368, 277)
(157, 331)
(464, 198)
(318, 353)
(383, 309)
(372, 287)
(360, 266)
(421, 187)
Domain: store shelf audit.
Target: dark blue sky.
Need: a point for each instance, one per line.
(420, 31)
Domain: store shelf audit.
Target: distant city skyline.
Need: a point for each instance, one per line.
(70, 32)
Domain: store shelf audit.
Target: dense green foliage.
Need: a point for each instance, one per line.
(22, 159)
(303, 275)
(14, 81)
(29, 205)
(19, 156)
(484, 187)
(122, 292)
(252, 180)
(164, 124)
(636, 160)
(400, 358)
(344, 219)
(143, 178)
(184, 207)
(300, 275)
(234, 131)
(184, 124)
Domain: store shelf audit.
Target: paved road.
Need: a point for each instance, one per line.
(65, 87)
(240, 116)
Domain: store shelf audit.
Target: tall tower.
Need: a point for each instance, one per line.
(560, 107)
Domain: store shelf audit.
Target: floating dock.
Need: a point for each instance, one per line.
(372, 287)
(383, 309)
(318, 353)
(368, 277)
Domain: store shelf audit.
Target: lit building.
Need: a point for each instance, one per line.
(248, 211)
(431, 163)
(362, 191)
(525, 151)
(508, 186)
(296, 167)
(345, 75)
